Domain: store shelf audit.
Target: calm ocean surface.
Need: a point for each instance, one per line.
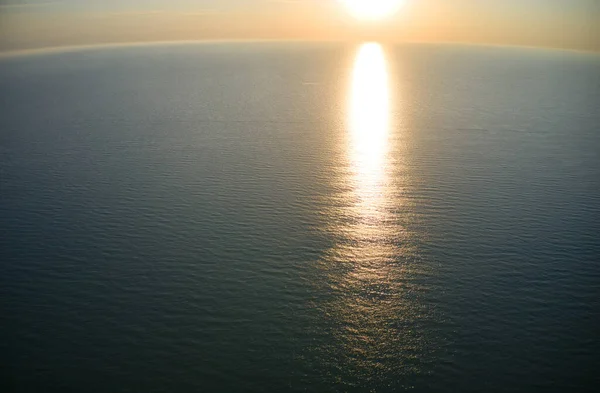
(298, 217)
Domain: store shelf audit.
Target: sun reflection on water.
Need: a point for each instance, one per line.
(369, 128)
(370, 269)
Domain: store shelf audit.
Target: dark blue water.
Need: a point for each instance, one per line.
(294, 217)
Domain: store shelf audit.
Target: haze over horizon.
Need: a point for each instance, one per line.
(38, 24)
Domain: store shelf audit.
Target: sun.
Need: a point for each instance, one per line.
(372, 9)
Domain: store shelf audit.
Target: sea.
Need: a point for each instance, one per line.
(300, 217)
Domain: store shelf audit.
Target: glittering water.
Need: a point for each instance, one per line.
(295, 217)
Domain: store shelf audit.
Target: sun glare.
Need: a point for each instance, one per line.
(369, 122)
(372, 9)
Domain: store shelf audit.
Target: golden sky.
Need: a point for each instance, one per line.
(29, 24)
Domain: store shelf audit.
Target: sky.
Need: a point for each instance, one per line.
(33, 24)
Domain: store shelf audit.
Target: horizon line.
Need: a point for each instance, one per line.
(13, 53)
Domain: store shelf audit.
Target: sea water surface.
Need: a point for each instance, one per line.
(276, 217)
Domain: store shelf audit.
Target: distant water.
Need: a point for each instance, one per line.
(298, 217)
